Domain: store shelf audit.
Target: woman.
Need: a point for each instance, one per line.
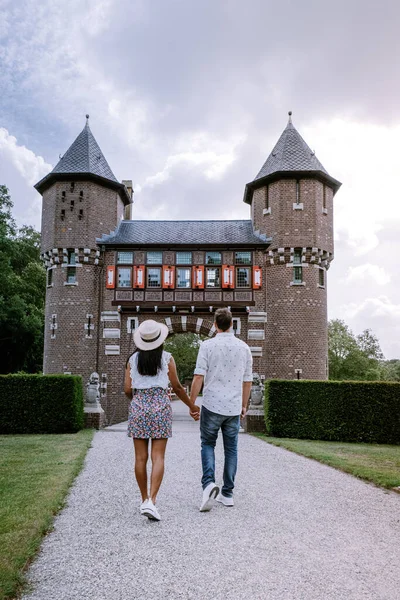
(150, 416)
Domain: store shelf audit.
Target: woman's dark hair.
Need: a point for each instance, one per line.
(149, 361)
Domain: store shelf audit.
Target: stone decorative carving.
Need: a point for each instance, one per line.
(183, 296)
(244, 296)
(138, 296)
(227, 258)
(153, 296)
(139, 258)
(198, 296)
(123, 295)
(198, 258)
(168, 258)
(168, 296)
(228, 296)
(92, 389)
(213, 296)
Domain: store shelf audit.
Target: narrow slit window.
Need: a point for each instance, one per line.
(297, 191)
(72, 204)
(71, 274)
(321, 277)
(80, 214)
(297, 275)
(80, 196)
(63, 196)
(71, 257)
(267, 197)
(324, 197)
(62, 214)
(297, 256)
(49, 276)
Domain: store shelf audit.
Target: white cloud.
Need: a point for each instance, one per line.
(29, 165)
(368, 272)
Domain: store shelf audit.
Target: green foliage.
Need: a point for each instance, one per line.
(353, 357)
(184, 347)
(346, 411)
(41, 403)
(22, 294)
(390, 370)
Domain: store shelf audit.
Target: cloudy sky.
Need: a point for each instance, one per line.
(187, 99)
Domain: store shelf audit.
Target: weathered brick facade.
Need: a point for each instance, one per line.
(290, 244)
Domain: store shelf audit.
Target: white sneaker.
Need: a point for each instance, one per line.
(143, 506)
(209, 495)
(151, 512)
(225, 500)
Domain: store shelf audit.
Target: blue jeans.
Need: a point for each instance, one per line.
(210, 424)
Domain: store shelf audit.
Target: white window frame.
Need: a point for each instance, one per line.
(129, 320)
(238, 325)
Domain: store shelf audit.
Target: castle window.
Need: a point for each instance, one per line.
(62, 214)
(213, 278)
(72, 186)
(71, 257)
(243, 278)
(80, 196)
(267, 197)
(243, 258)
(154, 258)
(154, 278)
(124, 258)
(321, 277)
(297, 256)
(324, 196)
(297, 191)
(236, 326)
(213, 258)
(71, 274)
(297, 275)
(183, 258)
(63, 196)
(183, 278)
(49, 277)
(80, 216)
(124, 277)
(72, 204)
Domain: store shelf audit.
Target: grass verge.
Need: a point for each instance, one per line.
(377, 463)
(36, 472)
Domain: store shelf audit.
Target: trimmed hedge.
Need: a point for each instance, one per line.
(342, 411)
(41, 403)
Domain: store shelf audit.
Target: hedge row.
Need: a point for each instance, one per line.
(41, 403)
(342, 411)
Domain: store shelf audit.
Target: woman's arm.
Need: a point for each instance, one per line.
(128, 381)
(178, 387)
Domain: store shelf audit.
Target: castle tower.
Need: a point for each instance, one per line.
(82, 200)
(291, 202)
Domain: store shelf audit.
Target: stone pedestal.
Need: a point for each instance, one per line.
(254, 420)
(94, 416)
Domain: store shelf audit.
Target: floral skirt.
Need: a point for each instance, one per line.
(150, 414)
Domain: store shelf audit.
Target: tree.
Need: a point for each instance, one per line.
(353, 357)
(184, 347)
(22, 293)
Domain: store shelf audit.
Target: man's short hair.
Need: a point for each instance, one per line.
(223, 319)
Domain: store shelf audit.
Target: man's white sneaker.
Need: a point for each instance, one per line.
(151, 512)
(143, 506)
(209, 494)
(225, 500)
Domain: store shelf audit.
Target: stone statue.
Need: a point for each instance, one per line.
(92, 389)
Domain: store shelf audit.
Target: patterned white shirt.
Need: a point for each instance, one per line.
(226, 362)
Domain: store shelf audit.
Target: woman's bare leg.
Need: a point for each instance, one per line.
(157, 469)
(141, 457)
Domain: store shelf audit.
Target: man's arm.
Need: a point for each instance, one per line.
(245, 397)
(196, 387)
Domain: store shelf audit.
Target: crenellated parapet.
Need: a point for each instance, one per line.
(299, 257)
(71, 257)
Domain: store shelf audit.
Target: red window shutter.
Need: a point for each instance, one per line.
(198, 277)
(228, 277)
(110, 281)
(138, 276)
(168, 277)
(257, 278)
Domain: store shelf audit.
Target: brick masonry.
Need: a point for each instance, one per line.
(85, 331)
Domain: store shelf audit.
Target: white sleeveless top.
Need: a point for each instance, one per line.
(144, 382)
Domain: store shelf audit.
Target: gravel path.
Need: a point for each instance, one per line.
(299, 531)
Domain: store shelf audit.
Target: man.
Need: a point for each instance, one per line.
(224, 365)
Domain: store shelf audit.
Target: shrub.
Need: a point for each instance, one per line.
(343, 411)
(41, 403)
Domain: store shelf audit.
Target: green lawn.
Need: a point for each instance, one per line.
(377, 463)
(36, 472)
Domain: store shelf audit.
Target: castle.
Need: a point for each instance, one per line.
(106, 271)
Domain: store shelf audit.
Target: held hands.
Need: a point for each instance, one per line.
(194, 411)
(243, 413)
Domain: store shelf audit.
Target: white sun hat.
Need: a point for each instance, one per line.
(150, 335)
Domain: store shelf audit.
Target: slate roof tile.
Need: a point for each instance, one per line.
(176, 233)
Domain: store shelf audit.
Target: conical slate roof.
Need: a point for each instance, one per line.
(84, 160)
(291, 156)
(291, 153)
(84, 156)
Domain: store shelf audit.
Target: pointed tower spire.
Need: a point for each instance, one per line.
(84, 160)
(291, 157)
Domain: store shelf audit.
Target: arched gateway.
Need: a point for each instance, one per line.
(270, 269)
